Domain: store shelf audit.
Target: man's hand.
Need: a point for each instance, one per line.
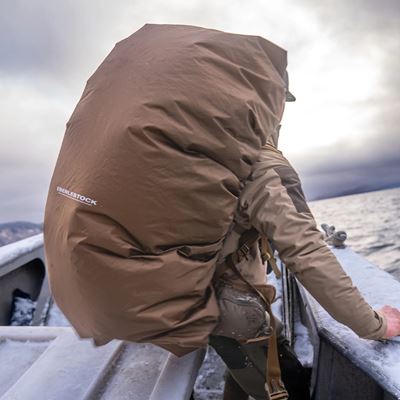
(393, 321)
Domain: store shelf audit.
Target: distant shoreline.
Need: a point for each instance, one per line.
(352, 193)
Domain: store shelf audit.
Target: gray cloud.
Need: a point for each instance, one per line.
(336, 180)
(56, 43)
(368, 29)
(49, 49)
(369, 16)
(351, 182)
(23, 190)
(369, 164)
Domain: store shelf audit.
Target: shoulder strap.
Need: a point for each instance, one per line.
(246, 240)
(267, 254)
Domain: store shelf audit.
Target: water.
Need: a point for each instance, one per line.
(372, 223)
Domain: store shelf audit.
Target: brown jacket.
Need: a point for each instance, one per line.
(273, 202)
(148, 178)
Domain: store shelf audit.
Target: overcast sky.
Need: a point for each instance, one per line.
(341, 134)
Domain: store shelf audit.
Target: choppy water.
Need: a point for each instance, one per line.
(372, 223)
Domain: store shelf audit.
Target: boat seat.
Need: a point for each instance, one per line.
(43, 362)
(53, 363)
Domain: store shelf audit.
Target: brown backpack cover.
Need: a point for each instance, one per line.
(148, 177)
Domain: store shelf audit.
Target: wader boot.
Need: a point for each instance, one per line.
(232, 390)
(247, 366)
(296, 378)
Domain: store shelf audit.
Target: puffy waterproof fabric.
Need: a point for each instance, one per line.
(148, 177)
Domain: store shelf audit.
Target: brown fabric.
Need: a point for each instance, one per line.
(243, 322)
(291, 182)
(242, 312)
(233, 391)
(245, 313)
(148, 178)
(266, 205)
(252, 268)
(274, 384)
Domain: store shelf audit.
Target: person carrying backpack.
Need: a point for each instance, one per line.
(273, 205)
(169, 148)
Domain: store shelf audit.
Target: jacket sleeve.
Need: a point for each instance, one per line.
(274, 203)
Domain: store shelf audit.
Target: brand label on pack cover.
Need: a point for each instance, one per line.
(76, 196)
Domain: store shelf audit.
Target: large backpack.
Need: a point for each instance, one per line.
(148, 177)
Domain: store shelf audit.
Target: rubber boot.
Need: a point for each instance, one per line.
(232, 390)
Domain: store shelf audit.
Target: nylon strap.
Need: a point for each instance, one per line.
(246, 240)
(274, 385)
(267, 255)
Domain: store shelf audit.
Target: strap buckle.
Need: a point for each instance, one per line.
(243, 252)
(276, 390)
(265, 257)
(281, 395)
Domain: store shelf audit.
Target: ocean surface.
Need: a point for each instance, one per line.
(372, 223)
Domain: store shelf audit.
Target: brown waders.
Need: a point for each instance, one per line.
(254, 365)
(246, 365)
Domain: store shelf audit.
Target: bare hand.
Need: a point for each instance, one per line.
(393, 321)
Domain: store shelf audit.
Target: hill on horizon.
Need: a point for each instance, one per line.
(12, 231)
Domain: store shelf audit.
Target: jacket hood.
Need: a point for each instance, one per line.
(274, 137)
(238, 81)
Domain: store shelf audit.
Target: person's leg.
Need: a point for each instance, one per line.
(295, 377)
(247, 365)
(232, 390)
(243, 363)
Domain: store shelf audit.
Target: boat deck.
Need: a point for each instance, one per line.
(51, 362)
